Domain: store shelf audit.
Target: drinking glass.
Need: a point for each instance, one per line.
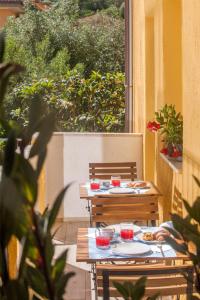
(126, 232)
(103, 237)
(106, 184)
(94, 184)
(115, 181)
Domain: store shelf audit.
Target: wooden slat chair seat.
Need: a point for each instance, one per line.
(162, 279)
(124, 209)
(126, 170)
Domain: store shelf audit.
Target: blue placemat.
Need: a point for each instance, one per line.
(95, 253)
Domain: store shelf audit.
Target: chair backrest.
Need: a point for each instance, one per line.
(162, 279)
(127, 170)
(122, 209)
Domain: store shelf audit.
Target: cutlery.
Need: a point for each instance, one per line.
(161, 249)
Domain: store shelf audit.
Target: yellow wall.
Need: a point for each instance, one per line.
(166, 50)
(191, 96)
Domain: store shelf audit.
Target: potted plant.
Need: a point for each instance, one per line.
(170, 125)
(39, 274)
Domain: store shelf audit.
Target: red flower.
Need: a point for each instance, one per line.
(176, 153)
(153, 126)
(164, 151)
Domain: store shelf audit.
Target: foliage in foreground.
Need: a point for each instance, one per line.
(187, 234)
(94, 104)
(130, 291)
(38, 273)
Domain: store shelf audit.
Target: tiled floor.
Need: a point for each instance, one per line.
(79, 287)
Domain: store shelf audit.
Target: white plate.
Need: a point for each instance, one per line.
(140, 235)
(129, 249)
(117, 228)
(121, 191)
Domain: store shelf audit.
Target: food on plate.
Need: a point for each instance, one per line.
(137, 184)
(148, 236)
(159, 235)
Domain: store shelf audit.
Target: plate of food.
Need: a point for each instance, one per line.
(117, 228)
(121, 190)
(138, 185)
(150, 237)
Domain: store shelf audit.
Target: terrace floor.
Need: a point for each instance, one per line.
(79, 287)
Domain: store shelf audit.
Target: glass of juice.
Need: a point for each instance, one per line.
(94, 184)
(115, 181)
(126, 232)
(103, 237)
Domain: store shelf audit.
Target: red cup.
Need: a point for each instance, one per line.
(103, 237)
(126, 232)
(115, 181)
(94, 185)
(102, 242)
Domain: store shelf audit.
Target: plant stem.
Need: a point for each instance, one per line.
(5, 273)
(50, 287)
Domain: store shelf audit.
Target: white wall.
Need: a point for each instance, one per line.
(70, 154)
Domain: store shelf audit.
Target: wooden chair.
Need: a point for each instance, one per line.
(124, 209)
(127, 170)
(162, 279)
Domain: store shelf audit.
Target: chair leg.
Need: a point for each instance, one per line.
(94, 279)
(88, 207)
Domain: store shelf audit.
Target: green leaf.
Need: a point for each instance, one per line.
(26, 179)
(34, 112)
(13, 217)
(9, 156)
(44, 136)
(194, 211)
(6, 70)
(139, 288)
(173, 232)
(2, 45)
(35, 121)
(182, 248)
(62, 284)
(183, 225)
(22, 264)
(121, 289)
(59, 265)
(48, 250)
(37, 281)
(56, 206)
(16, 290)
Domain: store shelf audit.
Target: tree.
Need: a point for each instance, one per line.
(38, 37)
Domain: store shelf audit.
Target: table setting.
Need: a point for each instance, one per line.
(127, 240)
(116, 186)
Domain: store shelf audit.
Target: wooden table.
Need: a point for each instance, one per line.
(84, 192)
(145, 198)
(83, 252)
